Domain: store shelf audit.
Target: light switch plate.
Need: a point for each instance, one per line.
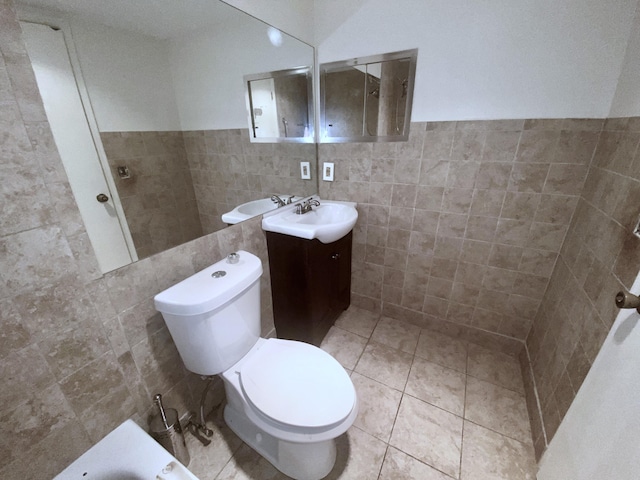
(327, 171)
(305, 170)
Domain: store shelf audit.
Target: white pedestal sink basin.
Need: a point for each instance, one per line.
(328, 222)
(251, 209)
(127, 453)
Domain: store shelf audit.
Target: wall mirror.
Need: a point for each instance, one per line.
(280, 105)
(162, 85)
(367, 99)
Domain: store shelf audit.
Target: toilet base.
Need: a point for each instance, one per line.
(301, 461)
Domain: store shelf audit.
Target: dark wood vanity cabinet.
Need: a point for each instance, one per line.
(310, 285)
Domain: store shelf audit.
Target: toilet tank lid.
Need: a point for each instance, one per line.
(207, 290)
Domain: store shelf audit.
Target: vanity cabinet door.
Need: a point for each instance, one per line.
(330, 274)
(310, 285)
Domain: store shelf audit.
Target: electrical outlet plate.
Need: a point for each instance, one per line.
(305, 170)
(327, 171)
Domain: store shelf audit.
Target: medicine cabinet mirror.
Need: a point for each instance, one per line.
(280, 106)
(367, 99)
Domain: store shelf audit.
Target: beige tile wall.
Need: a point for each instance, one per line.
(158, 199)
(79, 351)
(228, 170)
(460, 227)
(182, 182)
(599, 257)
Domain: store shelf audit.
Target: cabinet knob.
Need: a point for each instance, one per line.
(335, 256)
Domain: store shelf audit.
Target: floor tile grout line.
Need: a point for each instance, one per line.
(384, 458)
(497, 432)
(366, 344)
(496, 384)
(421, 461)
(233, 454)
(464, 412)
(432, 405)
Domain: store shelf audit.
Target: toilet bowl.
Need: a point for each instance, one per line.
(288, 400)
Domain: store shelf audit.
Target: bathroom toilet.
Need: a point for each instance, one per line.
(288, 400)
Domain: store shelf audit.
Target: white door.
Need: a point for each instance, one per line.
(599, 437)
(265, 111)
(64, 108)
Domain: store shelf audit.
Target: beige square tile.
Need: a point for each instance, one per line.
(400, 466)
(357, 320)
(497, 408)
(495, 367)
(487, 455)
(208, 461)
(89, 384)
(386, 365)
(429, 434)
(396, 334)
(441, 349)
(528, 177)
(378, 406)
(43, 413)
(109, 412)
(246, 464)
(346, 347)
(68, 443)
(537, 146)
(359, 456)
(439, 386)
(69, 350)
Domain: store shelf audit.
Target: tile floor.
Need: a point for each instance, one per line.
(431, 407)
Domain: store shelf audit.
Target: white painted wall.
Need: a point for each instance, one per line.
(208, 69)
(193, 82)
(328, 15)
(128, 77)
(496, 59)
(599, 437)
(626, 102)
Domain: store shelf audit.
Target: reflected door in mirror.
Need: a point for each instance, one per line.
(280, 106)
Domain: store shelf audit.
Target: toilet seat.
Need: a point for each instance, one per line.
(297, 384)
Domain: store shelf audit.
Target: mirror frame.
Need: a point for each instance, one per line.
(325, 68)
(308, 72)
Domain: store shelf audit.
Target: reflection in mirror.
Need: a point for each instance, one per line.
(367, 99)
(280, 105)
(161, 85)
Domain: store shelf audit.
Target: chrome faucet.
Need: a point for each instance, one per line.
(304, 207)
(279, 202)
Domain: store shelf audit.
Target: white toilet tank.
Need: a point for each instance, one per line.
(214, 315)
